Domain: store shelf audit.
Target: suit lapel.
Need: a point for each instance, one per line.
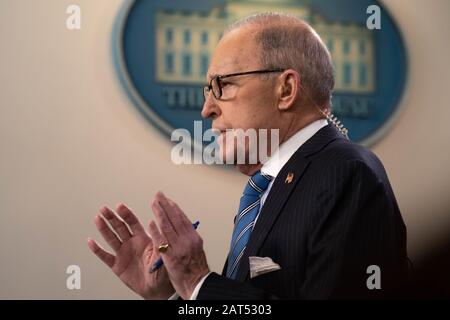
(280, 192)
(225, 267)
(278, 195)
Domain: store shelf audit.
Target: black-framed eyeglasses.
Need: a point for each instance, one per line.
(216, 87)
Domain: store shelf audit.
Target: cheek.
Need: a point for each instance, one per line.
(250, 110)
(261, 105)
(259, 114)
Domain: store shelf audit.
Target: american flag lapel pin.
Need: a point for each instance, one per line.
(289, 178)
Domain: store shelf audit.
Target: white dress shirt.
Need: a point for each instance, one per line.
(272, 167)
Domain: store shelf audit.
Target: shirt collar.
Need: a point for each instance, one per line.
(274, 165)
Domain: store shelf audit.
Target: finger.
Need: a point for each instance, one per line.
(155, 244)
(103, 255)
(117, 224)
(164, 223)
(173, 216)
(186, 223)
(156, 236)
(128, 216)
(107, 234)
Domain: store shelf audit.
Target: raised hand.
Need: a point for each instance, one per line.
(185, 258)
(135, 253)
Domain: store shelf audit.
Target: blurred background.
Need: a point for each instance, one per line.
(71, 141)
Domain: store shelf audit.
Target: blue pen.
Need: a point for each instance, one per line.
(159, 263)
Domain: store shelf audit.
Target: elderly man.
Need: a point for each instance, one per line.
(317, 223)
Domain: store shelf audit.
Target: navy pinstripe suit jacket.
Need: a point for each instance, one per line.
(338, 216)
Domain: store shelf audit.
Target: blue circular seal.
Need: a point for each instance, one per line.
(162, 51)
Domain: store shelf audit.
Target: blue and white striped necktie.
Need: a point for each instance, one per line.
(245, 219)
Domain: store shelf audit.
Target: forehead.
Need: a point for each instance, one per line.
(234, 53)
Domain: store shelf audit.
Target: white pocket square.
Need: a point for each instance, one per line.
(261, 265)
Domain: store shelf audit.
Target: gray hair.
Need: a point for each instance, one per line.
(288, 42)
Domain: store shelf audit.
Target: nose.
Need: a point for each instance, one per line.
(210, 108)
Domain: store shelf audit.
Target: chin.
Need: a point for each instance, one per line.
(248, 169)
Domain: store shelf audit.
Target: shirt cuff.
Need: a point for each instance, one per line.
(175, 296)
(198, 287)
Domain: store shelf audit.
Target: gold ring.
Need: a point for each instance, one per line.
(163, 247)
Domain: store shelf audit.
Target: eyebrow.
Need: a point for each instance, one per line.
(212, 75)
(233, 63)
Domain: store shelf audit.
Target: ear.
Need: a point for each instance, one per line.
(288, 89)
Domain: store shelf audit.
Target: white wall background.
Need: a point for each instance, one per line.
(71, 141)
